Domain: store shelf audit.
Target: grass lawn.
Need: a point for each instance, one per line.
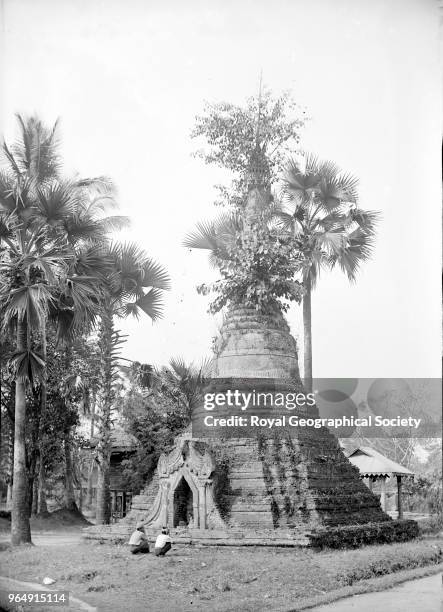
(208, 578)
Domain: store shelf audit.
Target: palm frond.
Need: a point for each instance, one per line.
(8, 193)
(11, 159)
(101, 185)
(55, 203)
(227, 227)
(85, 295)
(359, 248)
(51, 262)
(332, 241)
(216, 236)
(298, 182)
(348, 184)
(366, 219)
(80, 226)
(29, 302)
(327, 168)
(203, 237)
(63, 317)
(180, 367)
(93, 260)
(128, 309)
(155, 275)
(152, 304)
(113, 224)
(336, 220)
(7, 225)
(28, 366)
(129, 257)
(186, 379)
(329, 194)
(36, 152)
(282, 221)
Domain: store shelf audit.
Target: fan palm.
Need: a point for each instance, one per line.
(135, 286)
(53, 232)
(34, 282)
(184, 382)
(215, 236)
(318, 209)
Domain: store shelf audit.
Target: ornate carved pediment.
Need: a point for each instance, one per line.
(171, 462)
(186, 452)
(202, 465)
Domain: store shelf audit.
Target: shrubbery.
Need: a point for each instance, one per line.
(387, 560)
(353, 536)
(431, 525)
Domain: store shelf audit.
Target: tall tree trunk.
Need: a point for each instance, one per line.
(9, 497)
(307, 335)
(33, 428)
(69, 476)
(42, 507)
(88, 500)
(1, 404)
(106, 397)
(34, 505)
(20, 527)
(10, 469)
(92, 410)
(103, 508)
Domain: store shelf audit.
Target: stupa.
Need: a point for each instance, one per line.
(275, 489)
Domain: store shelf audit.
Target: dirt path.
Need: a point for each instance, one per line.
(59, 538)
(422, 595)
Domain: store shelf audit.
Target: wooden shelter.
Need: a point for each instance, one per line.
(374, 466)
(123, 445)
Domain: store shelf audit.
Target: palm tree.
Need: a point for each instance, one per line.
(47, 226)
(319, 210)
(135, 285)
(34, 278)
(183, 382)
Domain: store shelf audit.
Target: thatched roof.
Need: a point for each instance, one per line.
(372, 463)
(121, 441)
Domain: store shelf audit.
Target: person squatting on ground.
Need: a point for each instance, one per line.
(138, 540)
(162, 543)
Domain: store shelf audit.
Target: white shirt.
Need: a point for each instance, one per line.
(137, 538)
(161, 540)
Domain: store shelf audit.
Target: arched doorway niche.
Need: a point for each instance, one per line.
(184, 501)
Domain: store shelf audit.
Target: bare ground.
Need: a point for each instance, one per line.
(207, 578)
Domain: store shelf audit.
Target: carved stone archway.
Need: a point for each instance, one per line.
(194, 463)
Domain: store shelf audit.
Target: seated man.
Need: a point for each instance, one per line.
(162, 543)
(138, 540)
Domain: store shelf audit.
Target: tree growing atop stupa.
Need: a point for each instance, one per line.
(270, 250)
(256, 260)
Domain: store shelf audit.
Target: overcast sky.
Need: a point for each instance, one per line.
(127, 79)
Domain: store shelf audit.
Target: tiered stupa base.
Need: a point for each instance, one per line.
(263, 490)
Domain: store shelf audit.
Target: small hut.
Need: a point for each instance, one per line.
(376, 468)
(123, 445)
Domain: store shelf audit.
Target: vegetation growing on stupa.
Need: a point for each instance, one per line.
(257, 270)
(255, 259)
(229, 137)
(312, 223)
